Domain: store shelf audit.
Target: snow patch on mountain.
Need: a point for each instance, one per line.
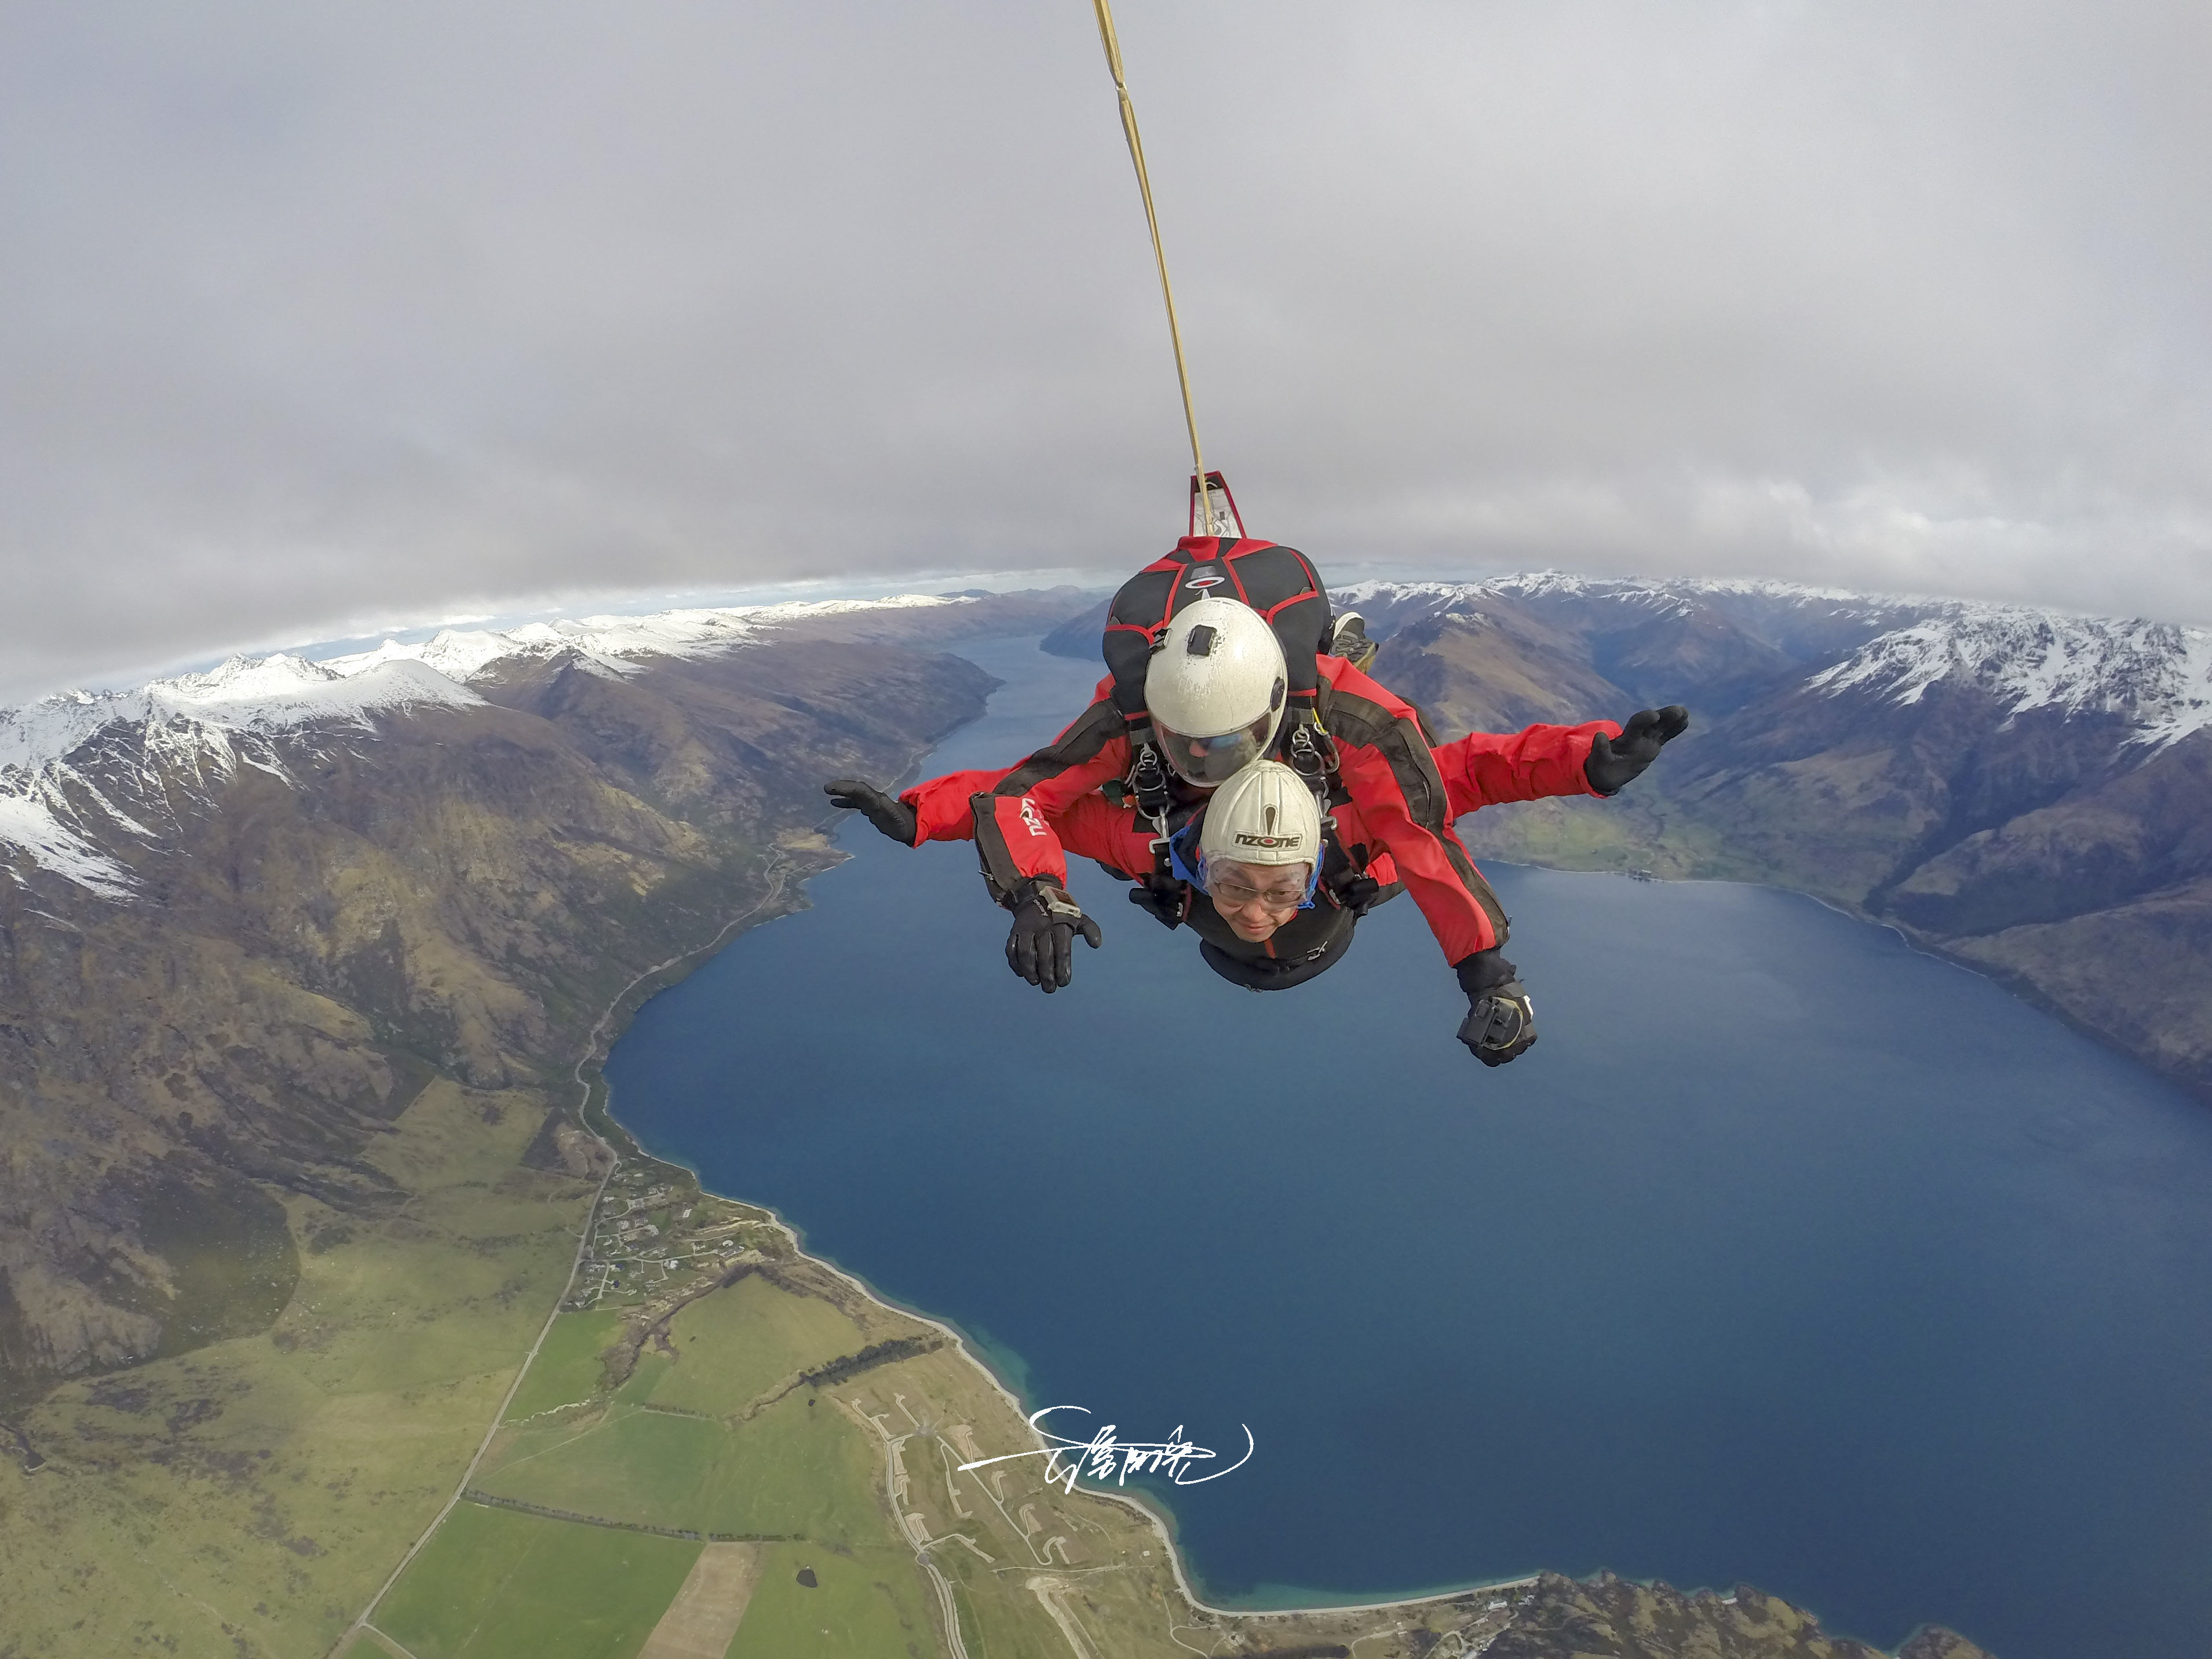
(29, 828)
(2155, 676)
(244, 694)
(218, 721)
(282, 691)
(50, 809)
(616, 645)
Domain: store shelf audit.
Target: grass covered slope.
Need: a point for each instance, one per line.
(247, 1497)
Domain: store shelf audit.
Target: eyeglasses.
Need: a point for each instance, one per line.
(1236, 894)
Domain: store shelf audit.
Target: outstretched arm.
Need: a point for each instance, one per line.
(1485, 768)
(935, 809)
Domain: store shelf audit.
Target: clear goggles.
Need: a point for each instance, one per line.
(1273, 894)
(1187, 862)
(1210, 763)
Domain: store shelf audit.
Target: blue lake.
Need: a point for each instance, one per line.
(1789, 1256)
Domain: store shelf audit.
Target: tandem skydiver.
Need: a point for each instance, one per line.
(1213, 701)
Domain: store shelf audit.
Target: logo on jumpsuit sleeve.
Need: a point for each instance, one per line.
(1032, 817)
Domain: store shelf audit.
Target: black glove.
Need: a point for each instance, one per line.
(1614, 762)
(887, 812)
(1356, 893)
(1041, 948)
(1500, 1025)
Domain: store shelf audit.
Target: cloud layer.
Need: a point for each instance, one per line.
(326, 313)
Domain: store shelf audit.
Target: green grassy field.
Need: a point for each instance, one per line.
(739, 1344)
(797, 1467)
(1637, 831)
(247, 1498)
(566, 1369)
(864, 1605)
(494, 1584)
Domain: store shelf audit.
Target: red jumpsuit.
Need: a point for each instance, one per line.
(1396, 823)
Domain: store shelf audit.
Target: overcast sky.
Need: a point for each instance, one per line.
(313, 317)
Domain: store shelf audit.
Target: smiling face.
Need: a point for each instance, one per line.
(1256, 899)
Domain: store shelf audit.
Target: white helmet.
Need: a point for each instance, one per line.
(1264, 815)
(1214, 688)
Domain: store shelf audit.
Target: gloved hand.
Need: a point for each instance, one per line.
(887, 812)
(1041, 947)
(1500, 1025)
(1614, 760)
(1356, 893)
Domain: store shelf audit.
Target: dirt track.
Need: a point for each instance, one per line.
(704, 1615)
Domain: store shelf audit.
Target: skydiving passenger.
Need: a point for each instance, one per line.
(1249, 933)
(1214, 695)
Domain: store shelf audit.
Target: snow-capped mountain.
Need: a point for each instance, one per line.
(2156, 677)
(55, 814)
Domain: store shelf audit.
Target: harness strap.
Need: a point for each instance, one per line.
(1164, 895)
(1148, 778)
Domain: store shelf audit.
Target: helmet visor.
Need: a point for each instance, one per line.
(1210, 763)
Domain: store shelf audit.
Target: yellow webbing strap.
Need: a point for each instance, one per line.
(1145, 188)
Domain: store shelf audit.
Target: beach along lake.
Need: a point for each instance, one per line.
(1789, 1256)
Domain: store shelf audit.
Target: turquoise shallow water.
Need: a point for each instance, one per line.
(1789, 1256)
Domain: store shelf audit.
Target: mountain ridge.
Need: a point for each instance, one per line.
(227, 714)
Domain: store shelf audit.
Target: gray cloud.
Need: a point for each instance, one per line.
(318, 315)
